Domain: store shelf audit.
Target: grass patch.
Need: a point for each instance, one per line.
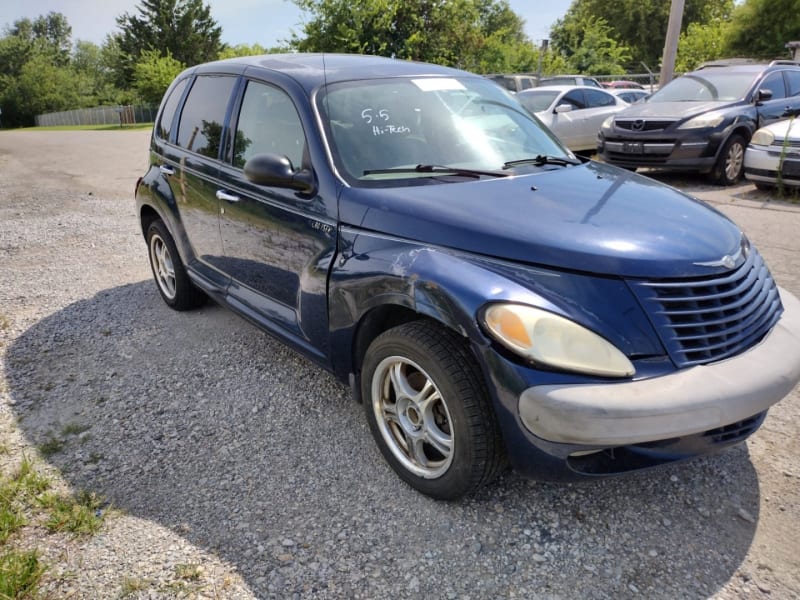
(5, 323)
(20, 573)
(52, 446)
(74, 429)
(78, 515)
(130, 586)
(90, 127)
(189, 572)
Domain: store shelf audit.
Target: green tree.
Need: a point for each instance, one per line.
(250, 50)
(761, 28)
(700, 43)
(153, 74)
(479, 35)
(641, 26)
(587, 44)
(182, 29)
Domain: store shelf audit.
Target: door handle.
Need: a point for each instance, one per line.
(166, 170)
(223, 195)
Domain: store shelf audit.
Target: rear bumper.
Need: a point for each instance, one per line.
(684, 403)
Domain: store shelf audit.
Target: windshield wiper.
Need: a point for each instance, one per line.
(541, 160)
(438, 170)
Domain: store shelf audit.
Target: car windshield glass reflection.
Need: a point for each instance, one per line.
(707, 87)
(382, 129)
(537, 101)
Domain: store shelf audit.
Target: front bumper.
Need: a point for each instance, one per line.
(762, 163)
(684, 403)
(691, 153)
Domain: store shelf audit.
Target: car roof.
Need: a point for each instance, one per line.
(310, 70)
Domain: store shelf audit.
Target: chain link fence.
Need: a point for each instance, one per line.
(101, 115)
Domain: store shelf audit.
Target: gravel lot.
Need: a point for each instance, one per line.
(224, 449)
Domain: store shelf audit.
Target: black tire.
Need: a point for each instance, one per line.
(170, 276)
(729, 167)
(423, 356)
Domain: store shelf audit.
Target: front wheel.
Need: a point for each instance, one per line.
(730, 164)
(429, 411)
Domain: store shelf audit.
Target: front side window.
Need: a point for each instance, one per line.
(203, 115)
(268, 124)
(598, 98)
(793, 81)
(575, 98)
(395, 124)
(774, 83)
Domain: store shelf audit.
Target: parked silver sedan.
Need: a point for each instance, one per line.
(773, 156)
(573, 113)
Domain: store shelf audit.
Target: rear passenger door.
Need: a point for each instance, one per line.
(277, 243)
(191, 166)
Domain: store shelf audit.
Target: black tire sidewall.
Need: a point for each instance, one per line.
(720, 176)
(460, 477)
(186, 295)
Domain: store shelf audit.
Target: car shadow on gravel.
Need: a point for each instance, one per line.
(207, 426)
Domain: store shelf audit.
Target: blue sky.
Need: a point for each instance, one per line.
(265, 22)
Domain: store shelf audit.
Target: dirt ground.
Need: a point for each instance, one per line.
(723, 527)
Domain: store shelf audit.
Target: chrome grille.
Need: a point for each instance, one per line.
(703, 320)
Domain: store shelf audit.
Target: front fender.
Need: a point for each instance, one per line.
(375, 271)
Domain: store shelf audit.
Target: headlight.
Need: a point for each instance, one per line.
(551, 340)
(703, 121)
(608, 123)
(763, 137)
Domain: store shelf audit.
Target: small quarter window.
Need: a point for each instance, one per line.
(203, 114)
(170, 106)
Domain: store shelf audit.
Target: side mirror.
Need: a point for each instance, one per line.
(277, 171)
(563, 108)
(763, 95)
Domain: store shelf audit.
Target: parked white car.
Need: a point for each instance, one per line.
(773, 155)
(573, 113)
(629, 95)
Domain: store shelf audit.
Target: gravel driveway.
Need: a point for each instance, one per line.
(226, 451)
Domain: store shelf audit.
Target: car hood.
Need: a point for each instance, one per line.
(592, 218)
(676, 110)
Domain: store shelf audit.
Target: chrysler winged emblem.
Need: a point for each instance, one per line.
(726, 261)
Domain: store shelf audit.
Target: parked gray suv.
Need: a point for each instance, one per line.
(703, 120)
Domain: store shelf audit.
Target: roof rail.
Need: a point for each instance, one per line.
(784, 61)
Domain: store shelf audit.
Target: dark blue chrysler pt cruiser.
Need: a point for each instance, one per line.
(489, 297)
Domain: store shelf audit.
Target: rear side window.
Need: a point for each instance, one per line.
(170, 106)
(203, 115)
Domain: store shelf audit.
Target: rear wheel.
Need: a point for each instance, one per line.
(429, 411)
(172, 281)
(730, 164)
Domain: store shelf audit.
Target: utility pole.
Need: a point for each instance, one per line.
(671, 43)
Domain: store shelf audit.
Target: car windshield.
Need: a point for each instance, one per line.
(705, 86)
(406, 131)
(538, 100)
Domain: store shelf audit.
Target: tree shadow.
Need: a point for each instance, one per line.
(207, 426)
